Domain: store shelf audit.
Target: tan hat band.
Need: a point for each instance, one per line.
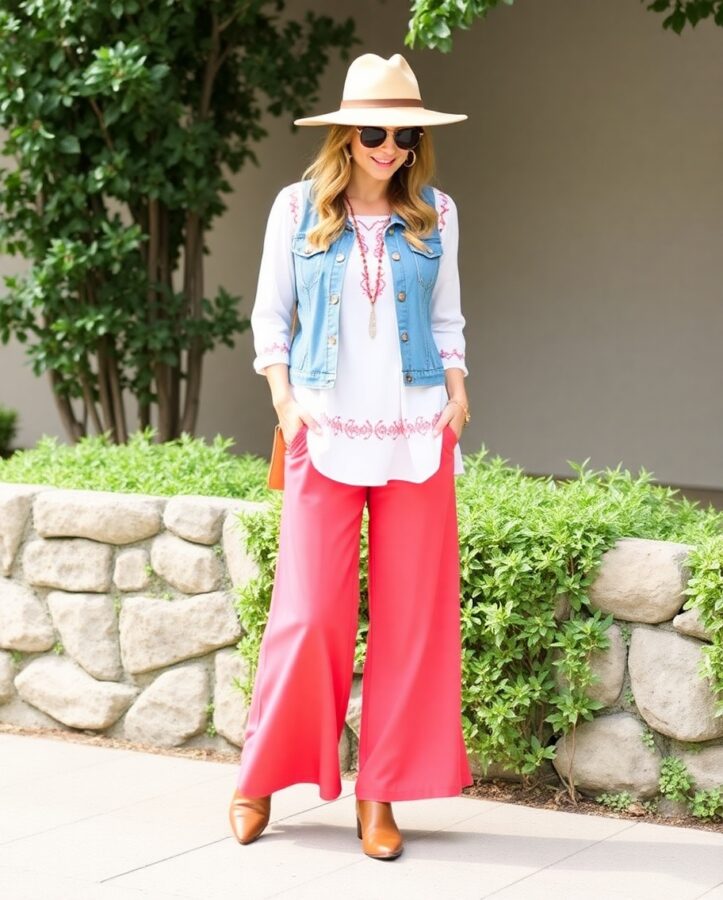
(349, 104)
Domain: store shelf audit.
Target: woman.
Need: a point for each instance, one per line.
(370, 395)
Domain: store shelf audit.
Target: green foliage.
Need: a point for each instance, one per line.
(122, 123)
(618, 802)
(675, 781)
(648, 738)
(184, 466)
(679, 13)
(210, 727)
(524, 541)
(433, 21)
(8, 427)
(58, 648)
(707, 804)
(705, 593)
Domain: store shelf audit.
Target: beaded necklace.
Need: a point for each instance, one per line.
(366, 282)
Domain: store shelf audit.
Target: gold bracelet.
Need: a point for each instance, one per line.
(467, 417)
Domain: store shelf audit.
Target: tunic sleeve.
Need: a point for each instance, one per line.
(273, 309)
(447, 319)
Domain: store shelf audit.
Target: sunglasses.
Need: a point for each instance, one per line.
(405, 138)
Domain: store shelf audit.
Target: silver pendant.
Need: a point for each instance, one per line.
(373, 322)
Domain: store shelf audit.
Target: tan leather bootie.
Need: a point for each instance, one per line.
(377, 829)
(248, 816)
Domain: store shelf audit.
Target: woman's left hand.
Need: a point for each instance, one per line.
(452, 415)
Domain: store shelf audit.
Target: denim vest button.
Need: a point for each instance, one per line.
(396, 255)
(332, 340)
(391, 230)
(334, 298)
(409, 377)
(340, 257)
(308, 248)
(401, 296)
(404, 336)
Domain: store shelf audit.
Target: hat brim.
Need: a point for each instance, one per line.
(397, 115)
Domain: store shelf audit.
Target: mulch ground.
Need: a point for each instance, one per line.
(543, 796)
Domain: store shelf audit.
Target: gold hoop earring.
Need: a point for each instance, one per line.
(408, 165)
(347, 154)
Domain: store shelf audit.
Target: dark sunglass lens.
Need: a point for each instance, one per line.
(370, 136)
(408, 138)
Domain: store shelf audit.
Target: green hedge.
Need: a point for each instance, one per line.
(524, 541)
(186, 465)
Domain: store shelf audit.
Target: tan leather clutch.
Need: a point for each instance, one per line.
(275, 478)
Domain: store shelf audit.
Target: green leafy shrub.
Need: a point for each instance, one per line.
(186, 465)
(675, 781)
(524, 542)
(708, 804)
(8, 427)
(618, 802)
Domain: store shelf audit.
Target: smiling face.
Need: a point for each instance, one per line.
(378, 162)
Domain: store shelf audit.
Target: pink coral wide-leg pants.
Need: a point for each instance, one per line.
(410, 743)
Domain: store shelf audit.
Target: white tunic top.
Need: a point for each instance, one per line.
(374, 427)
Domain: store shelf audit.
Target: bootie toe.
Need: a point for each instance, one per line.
(248, 816)
(375, 826)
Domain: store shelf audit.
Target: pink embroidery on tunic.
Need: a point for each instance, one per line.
(443, 210)
(294, 205)
(352, 428)
(270, 348)
(448, 354)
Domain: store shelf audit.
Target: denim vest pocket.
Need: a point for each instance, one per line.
(427, 263)
(307, 263)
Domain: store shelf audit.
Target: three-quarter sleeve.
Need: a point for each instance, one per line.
(446, 311)
(273, 308)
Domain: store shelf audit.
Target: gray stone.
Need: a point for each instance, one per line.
(88, 631)
(230, 712)
(7, 674)
(157, 633)
(15, 503)
(241, 567)
(690, 623)
(197, 518)
(344, 751)
(24, 621)
(71, 564)
(669, 692)
(562, 607)
(18, 712)
(130, 573)
(187, 567)
(353, 709)
(706, 767)
(641, 580)
(172, 709)
(62, 689)
(608, 665)
(99, 515)
(609, 755)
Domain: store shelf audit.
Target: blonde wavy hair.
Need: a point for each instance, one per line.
(330, 173)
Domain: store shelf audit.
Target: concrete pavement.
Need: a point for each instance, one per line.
(80, 822)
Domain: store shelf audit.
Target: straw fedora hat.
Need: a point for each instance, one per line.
(380, 91)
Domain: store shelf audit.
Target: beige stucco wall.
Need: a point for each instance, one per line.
(591, 209)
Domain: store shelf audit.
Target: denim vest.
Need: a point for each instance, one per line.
(319, 276)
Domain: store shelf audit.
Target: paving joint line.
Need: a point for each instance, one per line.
(554, 862)
(188, 850)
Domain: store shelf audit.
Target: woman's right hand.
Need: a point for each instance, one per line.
(291, 418)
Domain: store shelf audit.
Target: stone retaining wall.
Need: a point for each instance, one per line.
(117, 616)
